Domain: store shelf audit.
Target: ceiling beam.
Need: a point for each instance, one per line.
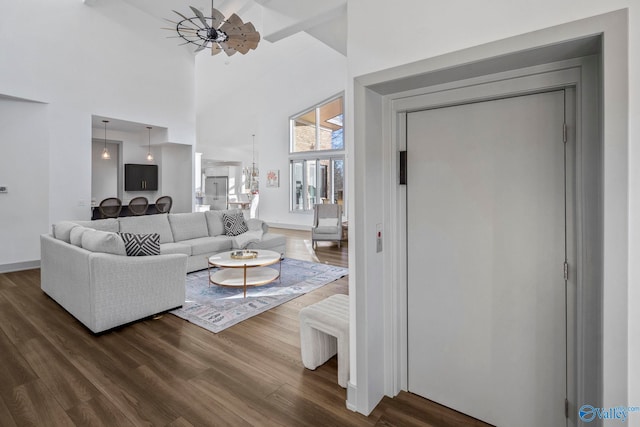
(305, 24)
(227, 7)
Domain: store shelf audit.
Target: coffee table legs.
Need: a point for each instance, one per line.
(245, 281)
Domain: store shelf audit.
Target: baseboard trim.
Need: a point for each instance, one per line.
(351, 397)
(19, 266)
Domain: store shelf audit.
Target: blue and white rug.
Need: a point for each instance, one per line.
(215, 308)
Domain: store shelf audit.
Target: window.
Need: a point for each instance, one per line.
(317, 166)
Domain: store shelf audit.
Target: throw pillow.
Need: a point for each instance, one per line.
(327, 222)
(141, 244)
(103, 241)
(215, 224)
(107, 224)
(62, 230)
(234, 224)
(75, 237)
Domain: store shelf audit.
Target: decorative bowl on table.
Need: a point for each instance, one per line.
(244, 254)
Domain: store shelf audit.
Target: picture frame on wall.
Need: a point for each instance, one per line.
(273, 178)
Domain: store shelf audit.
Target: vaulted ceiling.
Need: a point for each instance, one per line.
(275, 20)
(325, 20)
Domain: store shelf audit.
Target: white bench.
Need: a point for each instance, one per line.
(324, 331)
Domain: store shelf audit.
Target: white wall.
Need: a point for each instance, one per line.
(176, 176)
(256, 94)
(88, 60)
(429, 30)
(23, 210)
(104, 173)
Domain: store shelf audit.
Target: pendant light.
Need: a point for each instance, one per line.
(149, 155)
(105, 152)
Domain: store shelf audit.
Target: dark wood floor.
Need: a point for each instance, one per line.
(168, 372)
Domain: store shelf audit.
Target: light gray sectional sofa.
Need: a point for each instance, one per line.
(84, 266)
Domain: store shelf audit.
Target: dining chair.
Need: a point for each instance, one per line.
(138, 205)
(163, 204)
(110, 207)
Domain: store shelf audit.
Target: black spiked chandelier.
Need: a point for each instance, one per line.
(217, 33)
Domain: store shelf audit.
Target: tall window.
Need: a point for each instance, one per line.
(317, 166)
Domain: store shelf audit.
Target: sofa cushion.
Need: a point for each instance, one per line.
(141, 244)
(185, 226)
(62, 230)
(234, 224)
(75, 237)
(214, 223)
(147, 224)
(107, 224)
(333, 229)
(103, 241)
(327, 222)
(205, 245)
(175, 248)
(242, 240)
(269, 241)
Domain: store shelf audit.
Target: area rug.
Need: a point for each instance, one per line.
(216, 308)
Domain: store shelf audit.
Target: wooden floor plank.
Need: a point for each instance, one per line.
(15, 369)
(186, 401)
(252, 409)
(65, 382)
(34, 404)
(13, 325)
(180, 422)
(308, 412)
(162, 356)
(123, 388)
(6, 282)
(99, 412)
(6, 418)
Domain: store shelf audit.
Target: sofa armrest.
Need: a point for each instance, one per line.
(124, 289)
(64, 275)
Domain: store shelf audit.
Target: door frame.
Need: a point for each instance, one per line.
(374, 306)
(576, 74)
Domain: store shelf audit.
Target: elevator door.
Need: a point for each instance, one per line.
(486, 233)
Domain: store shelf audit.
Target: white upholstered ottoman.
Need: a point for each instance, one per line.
(324, 331)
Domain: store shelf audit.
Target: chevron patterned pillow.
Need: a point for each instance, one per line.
(141, 244)
(234, 224)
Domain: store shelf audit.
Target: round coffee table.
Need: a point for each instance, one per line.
(248, 270)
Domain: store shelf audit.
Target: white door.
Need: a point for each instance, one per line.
(486, 250)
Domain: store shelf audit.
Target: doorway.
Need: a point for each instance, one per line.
(601, 195)
(489, 220)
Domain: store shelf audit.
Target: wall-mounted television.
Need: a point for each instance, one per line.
(140, 177)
